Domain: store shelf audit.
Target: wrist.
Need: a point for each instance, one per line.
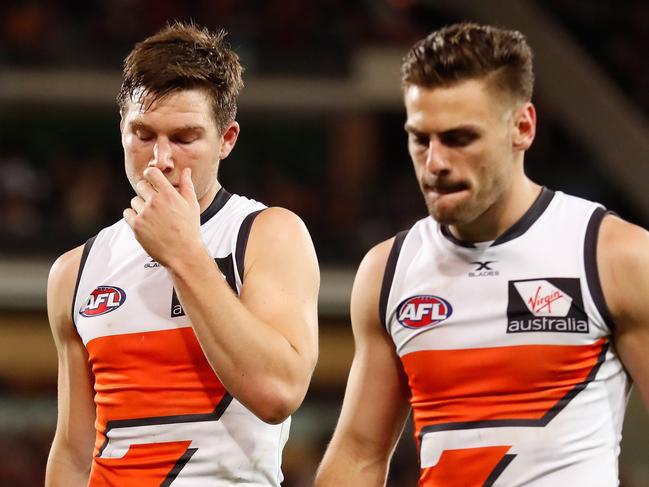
(194, 256)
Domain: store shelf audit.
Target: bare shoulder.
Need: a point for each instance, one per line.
(64, 271)
(621, 237)
(278, 237)
(623, 262)
(372, 267)
(60, 289)
(66, 264)
(278, 221)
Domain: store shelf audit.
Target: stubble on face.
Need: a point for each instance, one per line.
(182, 122)
(478, 174)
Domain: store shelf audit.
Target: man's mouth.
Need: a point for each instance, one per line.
(444, 189)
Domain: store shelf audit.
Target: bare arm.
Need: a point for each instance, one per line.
(263, 345)
(71, 454)
(623, 262)
(376, 400)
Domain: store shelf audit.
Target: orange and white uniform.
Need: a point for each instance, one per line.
(163, 416)
(507, 349)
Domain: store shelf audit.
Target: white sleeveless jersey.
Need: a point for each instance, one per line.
(506, 347)
(163, 416)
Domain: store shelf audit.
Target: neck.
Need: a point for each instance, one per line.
(500, 216)
(206, 200)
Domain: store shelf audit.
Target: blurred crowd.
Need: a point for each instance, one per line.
(271, 35)
(616, 34)
(280, 36)
(346, 174)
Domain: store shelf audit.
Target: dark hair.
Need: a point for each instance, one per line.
(179, 57)
(465, 51)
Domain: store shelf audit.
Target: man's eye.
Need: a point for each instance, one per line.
(419, 140)
(144, 136)
(458, 139)
(184, 138)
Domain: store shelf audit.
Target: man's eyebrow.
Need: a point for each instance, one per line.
(137, 125)
(190, 128)
(411, 129)
(460, 128)
(464, 128)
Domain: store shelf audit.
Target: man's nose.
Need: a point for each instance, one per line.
(436, 158)
(162, 155)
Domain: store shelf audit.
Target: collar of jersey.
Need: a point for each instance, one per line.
(219, 201)
(517, 229)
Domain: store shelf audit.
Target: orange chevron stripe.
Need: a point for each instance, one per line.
(143, 466)
(463, 468)
(520, 382)
(151, 374)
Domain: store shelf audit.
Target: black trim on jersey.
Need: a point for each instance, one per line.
(541, 422)
(449, 236)
(221, 198)
(517, 229)
(496, 472)
(532, 214)
(84, 256)
(226, 266)
(180, 464)
(388, 275)
(242, 240)
(590, 266)
(174, 419)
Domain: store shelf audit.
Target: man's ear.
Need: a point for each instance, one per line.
(229, 139)
(524, 127)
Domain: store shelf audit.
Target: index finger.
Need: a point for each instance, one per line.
(145, 189)
(158, 180)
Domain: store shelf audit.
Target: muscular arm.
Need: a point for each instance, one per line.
(263, 345)
(376, 400)
(623, 262)
(71, 453)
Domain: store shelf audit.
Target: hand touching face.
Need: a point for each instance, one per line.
(165, 220)
(175, 132)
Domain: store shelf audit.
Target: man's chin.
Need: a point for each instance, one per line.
(445, 218)
(447, 214)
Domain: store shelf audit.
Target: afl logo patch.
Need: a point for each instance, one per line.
(102, 300)
(423, 310)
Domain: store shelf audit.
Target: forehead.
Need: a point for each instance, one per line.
(470, 102)
(179, 107)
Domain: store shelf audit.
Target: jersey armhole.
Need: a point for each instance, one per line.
(388, 275)
(84, 257)
(242, 241)
(590, 266)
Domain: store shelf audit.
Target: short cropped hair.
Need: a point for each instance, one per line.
(465, 51)
(179, 57)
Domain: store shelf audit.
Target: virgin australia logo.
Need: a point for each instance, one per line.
(546, 305)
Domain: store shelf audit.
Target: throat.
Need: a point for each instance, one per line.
(508, 215)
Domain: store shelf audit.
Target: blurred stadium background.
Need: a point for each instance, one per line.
(322, 134)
